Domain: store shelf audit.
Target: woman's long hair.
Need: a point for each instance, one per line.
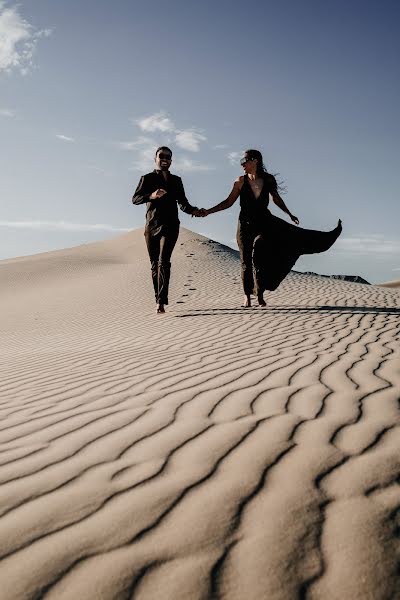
(262, 170)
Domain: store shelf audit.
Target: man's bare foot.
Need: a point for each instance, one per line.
(260, 300)
(160, 309)
(247, 301)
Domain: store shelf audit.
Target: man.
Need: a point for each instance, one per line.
(162, 191)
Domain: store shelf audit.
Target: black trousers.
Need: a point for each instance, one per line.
(247, 235)
(160, 247)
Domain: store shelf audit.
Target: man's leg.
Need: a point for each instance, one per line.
(167, 244)
(153, 248)
(245, 240)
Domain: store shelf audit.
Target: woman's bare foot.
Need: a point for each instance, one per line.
(260, 300)
(247, 301)
(160, 309)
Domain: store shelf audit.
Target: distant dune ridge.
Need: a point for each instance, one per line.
(353, 278)
(211, 452)
(395, 283)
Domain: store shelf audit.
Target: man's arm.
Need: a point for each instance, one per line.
(183, 201)
(143, 191)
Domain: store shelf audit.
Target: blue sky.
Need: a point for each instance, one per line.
(89, 89)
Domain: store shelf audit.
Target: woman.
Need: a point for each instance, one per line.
(269, 246)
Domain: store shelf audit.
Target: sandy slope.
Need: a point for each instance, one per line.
(391, 284)
(212, 452)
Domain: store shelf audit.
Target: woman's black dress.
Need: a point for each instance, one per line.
(269, 246)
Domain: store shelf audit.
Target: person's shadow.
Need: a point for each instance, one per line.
(390, 310)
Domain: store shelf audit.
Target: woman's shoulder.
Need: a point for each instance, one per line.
(271, 180)
(269, 177)
(239, 181)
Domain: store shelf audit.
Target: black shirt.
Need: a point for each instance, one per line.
(162, 213)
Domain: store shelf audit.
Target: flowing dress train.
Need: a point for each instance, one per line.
(269, 246)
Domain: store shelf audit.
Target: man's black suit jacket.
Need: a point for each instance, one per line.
(162, 213)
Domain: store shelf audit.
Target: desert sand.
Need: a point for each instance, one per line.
(395, 283)
(211, 452)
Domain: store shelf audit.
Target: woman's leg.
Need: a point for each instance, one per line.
(245, 239)
(258, 250)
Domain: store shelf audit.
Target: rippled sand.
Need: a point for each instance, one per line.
(211, 452)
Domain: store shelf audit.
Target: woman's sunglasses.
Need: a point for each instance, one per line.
(165, 156)
(245, 160)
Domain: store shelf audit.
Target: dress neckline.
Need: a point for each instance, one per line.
(252, 191)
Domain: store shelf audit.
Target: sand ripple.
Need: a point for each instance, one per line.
(212, 452)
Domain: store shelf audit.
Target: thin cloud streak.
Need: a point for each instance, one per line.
(373, 244)
(186, 165)
(60, 226)
(233, 157)
(7, 112)
(64, 138)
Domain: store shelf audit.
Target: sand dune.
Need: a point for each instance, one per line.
(395, 283)
(212, 452)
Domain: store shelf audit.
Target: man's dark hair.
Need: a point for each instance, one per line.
(164, 148)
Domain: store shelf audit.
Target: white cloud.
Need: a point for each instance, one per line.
(139, 144)
(144, 161)
(65, 138)
(7, 112)
(189, 139)
(374, 244)
(18, 40)
(157, 122)
(144, 147)
(186, 165)
(396, 269)
(233, 157)
(221, 147)
(59, 225)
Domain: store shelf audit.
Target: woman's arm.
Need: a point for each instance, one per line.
(280, 203)
(229, 201)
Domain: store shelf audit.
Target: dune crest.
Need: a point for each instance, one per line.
(395, 283)
(211, 452)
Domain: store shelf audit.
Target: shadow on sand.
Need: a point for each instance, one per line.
(285, 309)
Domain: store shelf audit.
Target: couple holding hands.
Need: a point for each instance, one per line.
(269, 246)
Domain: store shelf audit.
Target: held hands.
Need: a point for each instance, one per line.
(294, 219)
(200, 212)
(157, 194)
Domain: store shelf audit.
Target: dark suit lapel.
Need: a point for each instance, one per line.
(163, 183)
